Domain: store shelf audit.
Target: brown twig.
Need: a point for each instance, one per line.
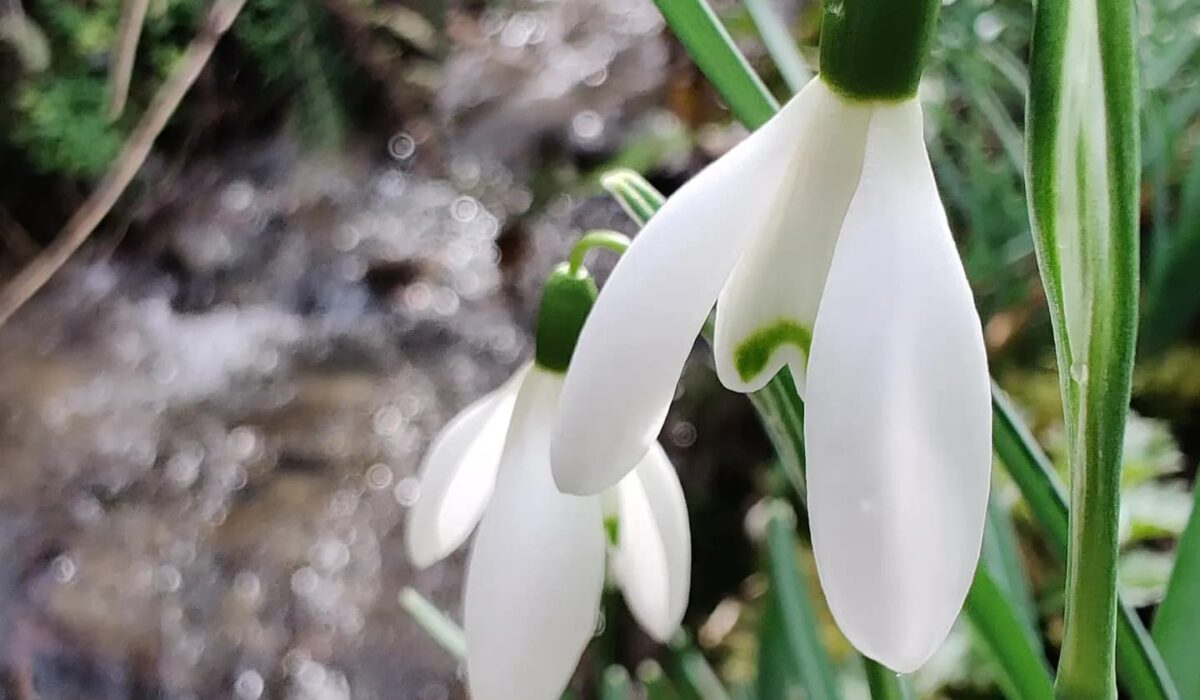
(129, 31)
(129, 161)
(15, 237)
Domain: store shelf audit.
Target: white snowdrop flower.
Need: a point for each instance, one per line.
(537, 566)
(824, 245)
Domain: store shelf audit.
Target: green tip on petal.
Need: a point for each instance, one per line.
(752, 356)
(566, 300)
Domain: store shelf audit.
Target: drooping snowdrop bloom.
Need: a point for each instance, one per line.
(537, 566)
(824, 245)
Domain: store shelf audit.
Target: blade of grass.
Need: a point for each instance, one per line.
(440, 628)
(790, 597)
(697, 680)
(1024, 672)
(1002, 558)
(780, 44)
(658, 686)
(885, 683)
(713, 50)
(615, 684)
(1176, 627)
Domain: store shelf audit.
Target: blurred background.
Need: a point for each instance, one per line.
(212, 416)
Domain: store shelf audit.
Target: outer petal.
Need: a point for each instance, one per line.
(639, 334)
(536, 569)
(898, 421)
(458, 474)
(653, 560)
(766, 311)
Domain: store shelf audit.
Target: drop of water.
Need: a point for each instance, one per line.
(988, 26)
(249, 685)
(587, 126)
(407, 491)
(64, 569)
(402, 146)
(464, 209)
(379, 477)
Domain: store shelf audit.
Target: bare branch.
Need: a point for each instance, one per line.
(120, 73)
(133, 154)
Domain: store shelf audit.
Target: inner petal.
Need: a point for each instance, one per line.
(766, 310)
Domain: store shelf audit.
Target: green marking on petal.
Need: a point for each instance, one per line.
(753, 354)
(612, 528)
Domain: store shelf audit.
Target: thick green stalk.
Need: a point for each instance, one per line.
(1140, 667)
(1082, 174)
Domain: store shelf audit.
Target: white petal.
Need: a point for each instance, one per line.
(458, 474)
(633, 346)
(536, 569)
(898, 419)
(653, 559)
(766, 311)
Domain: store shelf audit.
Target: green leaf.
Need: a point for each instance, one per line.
(1025, 675)
(713, 50)
(790, 601)
(1177, 621)
(885, 683)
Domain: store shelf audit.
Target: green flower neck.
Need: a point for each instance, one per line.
(567, 298)
(876, 49)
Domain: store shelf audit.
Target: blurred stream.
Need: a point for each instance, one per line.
(209, 442)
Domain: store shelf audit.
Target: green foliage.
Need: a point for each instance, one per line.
(62, 126)
(56, 117)
(295, 49)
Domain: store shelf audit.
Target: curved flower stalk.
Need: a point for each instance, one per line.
(537, 567)
(824, 245)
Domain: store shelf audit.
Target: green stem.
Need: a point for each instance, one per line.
(1141, 669)
(876, 49)
(608, 240)
(1082, 176)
